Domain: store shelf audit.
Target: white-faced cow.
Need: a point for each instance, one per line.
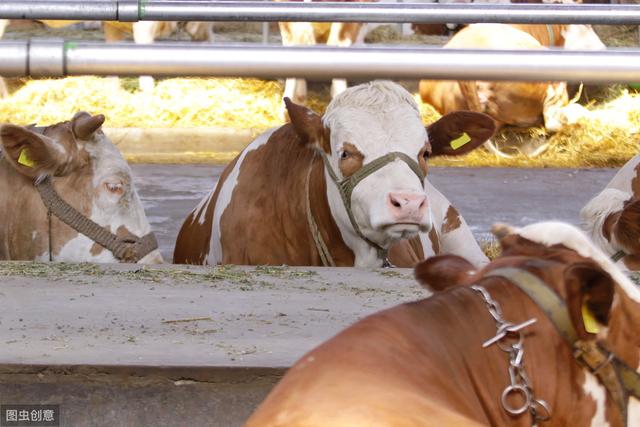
(424, 363)
(612, 218)
(521, 104)
(338, 189)
(66, 194)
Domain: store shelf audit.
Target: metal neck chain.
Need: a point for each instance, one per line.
(510, 339)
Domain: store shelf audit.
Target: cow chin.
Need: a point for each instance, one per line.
(401, 231)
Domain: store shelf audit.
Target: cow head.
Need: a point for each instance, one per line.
(612, 219)
(364, 124)
(602, 303)
(87, 171)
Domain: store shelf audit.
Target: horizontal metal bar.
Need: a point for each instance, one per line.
(180, 59)
(133, 10)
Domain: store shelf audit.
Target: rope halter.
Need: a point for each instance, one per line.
(347, 185)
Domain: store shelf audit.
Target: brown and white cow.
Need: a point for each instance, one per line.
(520, 104)
(342, 34)
(423, 363)
(612, 218)
(258, 212)
(87, 171)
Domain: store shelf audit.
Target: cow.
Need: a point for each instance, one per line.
(144, 32)
(520, 104)
(66, 194)
(338, 189)
(612, 218)
(423, 363)
(342, 34)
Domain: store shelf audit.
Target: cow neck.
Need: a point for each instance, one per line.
(327, 238)
(620, 380)
(347, 185)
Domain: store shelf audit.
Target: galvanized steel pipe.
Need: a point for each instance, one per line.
(59, 58)
(134, 10)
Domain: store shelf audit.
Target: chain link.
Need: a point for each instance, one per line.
(510, 339)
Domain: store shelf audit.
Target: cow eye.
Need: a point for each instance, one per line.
(344, 155)
(114, 187)
(426, 154)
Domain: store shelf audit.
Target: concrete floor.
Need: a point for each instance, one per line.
(483, 195)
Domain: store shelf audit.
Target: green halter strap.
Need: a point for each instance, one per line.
(348, 184)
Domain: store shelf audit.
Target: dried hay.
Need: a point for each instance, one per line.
(235, 103)
(491, 248)
(607, 137)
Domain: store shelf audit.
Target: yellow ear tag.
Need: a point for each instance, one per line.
(25, 160)
(460, 141)
(590, 322)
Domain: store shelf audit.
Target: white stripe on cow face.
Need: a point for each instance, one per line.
(224, 198)
(376, 118)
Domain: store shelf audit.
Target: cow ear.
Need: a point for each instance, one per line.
(307, 124)
(589, 295)
(443, 271)
(84, 124)
(30, 153)
(459, 132)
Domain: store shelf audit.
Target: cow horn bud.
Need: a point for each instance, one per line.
(84, 124)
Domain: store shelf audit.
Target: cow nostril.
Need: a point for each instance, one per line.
(394, 202)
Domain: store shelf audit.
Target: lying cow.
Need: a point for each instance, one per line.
(424, 364)
(144, 32)
(521, 104)
(612, 218)
(67, 195)
(278, 201)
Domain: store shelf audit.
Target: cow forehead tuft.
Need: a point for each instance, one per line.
(379, 95)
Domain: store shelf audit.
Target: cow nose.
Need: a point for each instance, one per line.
(407, 207)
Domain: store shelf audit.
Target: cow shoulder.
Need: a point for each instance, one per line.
(267, 204)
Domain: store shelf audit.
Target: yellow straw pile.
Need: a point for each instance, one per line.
(608, 136)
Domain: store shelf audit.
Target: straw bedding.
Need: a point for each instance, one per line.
(608, 136)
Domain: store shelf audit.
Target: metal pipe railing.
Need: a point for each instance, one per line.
(55, 58)
(135, 10)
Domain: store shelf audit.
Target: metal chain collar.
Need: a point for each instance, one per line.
(348, 184)
(510, 339)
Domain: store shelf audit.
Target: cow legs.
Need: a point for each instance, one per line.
(3, 86)
(296, 33)
(343, 34)
(3, 26)
(144, 33)
(200, 31)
